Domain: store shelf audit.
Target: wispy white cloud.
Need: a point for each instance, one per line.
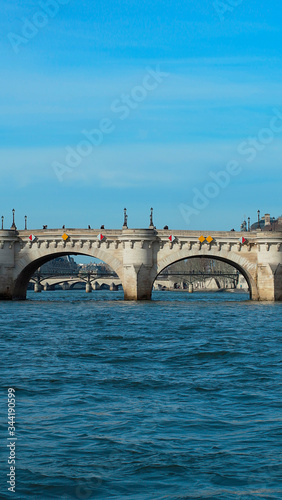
(65, 96)
(137, 165)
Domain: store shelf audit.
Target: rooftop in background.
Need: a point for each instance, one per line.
(268, 223)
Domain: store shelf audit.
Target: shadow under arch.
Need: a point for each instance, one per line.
(74, 285)
(25, 274)
(250, 281)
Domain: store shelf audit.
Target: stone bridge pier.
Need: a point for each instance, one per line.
(137, 256)
(269, 268)
(139, 263)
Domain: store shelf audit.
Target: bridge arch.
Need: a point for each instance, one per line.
(73, 284)
(233, 260)
(27, 266)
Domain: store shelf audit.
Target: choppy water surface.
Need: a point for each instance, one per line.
(179, 398)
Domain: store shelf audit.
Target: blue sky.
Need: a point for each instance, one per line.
(222, 83)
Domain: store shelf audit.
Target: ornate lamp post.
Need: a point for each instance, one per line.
(2, 219)
(125, 219)
(258, 219)
(25, 222)
(151, 218)
(13, 226)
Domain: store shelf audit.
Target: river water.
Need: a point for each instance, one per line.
(179, 398)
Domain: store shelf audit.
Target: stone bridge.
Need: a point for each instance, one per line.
(69, 283)
(139, 255)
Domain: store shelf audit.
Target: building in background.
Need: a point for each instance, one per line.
(265, 223)
(268, 223)
(60, 265)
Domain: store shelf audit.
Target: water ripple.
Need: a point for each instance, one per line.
(175, 399)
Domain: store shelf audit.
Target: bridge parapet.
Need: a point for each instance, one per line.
(138, 255)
